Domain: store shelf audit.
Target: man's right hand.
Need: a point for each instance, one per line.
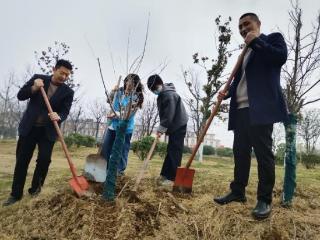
(250, 36)
(221, 95)
(37, 84)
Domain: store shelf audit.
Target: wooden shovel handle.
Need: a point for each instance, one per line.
(56, 126)
(215, 108)
(145, 163)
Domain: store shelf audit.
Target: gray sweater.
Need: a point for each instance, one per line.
(171, 110)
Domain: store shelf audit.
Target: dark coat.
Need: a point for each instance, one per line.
(61, 102)
(172, 113)
(266, 100)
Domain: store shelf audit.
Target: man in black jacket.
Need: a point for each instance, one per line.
(36, 127)
(256, 103)
(173, 122)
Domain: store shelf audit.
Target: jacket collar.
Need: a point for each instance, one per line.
(47, 81)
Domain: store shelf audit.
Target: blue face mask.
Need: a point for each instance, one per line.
(158, 90)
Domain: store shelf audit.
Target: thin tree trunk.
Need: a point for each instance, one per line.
(63, 127)
(289, 184)
(97, 130)
(116, 153)
(199, 155)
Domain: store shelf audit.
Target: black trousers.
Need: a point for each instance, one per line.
(25, 148)
(174, 153)
(258, 137)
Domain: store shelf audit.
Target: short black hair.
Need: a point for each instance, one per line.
(153, 81)
(63, 63)
(252, 15)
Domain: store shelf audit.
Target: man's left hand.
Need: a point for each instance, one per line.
(250, 36)
(54, 116)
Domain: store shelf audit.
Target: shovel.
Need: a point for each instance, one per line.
(96, 165)
(145, 164)
(78, 183)
(184, 175)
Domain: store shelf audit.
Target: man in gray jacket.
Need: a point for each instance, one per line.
(173, 122)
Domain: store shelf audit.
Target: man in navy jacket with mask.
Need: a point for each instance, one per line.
(256, 103)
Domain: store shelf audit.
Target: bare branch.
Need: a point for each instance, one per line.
(105, 90)
(128, 44)
(136, 70)
(159, 69)
(309, 102)
(303, 61)
(112, 62)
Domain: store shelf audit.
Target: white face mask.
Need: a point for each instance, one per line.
(158, 90)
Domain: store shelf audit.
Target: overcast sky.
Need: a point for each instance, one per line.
(178, 29)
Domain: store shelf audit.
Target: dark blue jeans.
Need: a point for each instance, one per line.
(107, 148)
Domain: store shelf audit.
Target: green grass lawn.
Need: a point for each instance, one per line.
(212, 167)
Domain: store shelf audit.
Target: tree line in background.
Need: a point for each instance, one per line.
(300, 82)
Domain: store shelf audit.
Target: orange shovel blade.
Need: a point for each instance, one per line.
(79, 185)
(183, 180)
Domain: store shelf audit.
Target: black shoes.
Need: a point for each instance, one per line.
(230, 197)
(261, 211)
(11, 200)
(34, 193)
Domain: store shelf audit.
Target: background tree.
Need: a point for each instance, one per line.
(147, 119)
(75, 117)
(47, 59)
(301, 81)
(142, 147)
(309, 129)
(98, 110)
(280, 153)
(277, 136)
(6, 97)
(10, 107)
(208, 150)
(202, 93)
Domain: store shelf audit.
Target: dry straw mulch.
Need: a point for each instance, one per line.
(151, 214)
